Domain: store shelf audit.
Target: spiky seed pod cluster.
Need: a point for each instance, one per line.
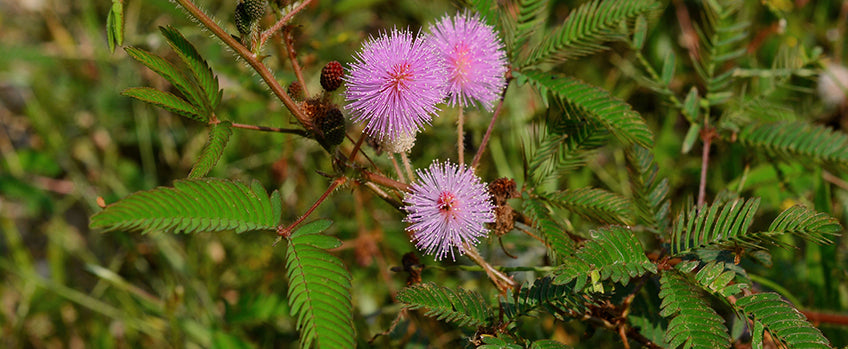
(331, 76)
(248, 13)
(331, 126)
(295, 91)
(502, 189)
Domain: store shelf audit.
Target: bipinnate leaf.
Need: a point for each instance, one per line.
(722, 225)
(588, 28)
(191, 206)
(219, 135)
(806, 223)
(613, 253)
(798, 141)
(593, 203)
(196, 64)
(165, 101)
(465, 308)
(559, 299)
(785, 323)
(115, 25)
(559, 244)
(319, 289)
(187, 85)
(693, 323)
(618, 117)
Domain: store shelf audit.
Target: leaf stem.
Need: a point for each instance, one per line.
(501, 280)
(288, 41)
(460, 146)
(271, 129)
(286, 231)
(483, 143)
(707, 135)
(282, 22)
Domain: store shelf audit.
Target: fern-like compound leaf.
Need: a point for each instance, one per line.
(531, 17)
(115, 25)
(596, 104)
(219, 135)
(722, 225)
(806, 223)
(196, 64)
(715, 278)
(465, 308)
(165, 101)
(592, 203)
(548, 344)
(187, 85)
(798, 141)
(650, 193)
(563, 144)
(192, 206)
(555, 298)
(587, 28)
(559, 244)
(782, 320)
(319, 289)
(693, 323)
(613, 253)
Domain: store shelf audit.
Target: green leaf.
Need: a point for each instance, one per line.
(668, 68)
(191, 206)
(806, 223)
(558, 242)
(594, 204)
(186, 85)
(690, 106)
(531, 17)
(596, 104)
(640, 32)
(798, 141)
(722, 225)
(785, 323)
(715, 278)
(165, 101)
(692, 136)
(587, 28)
(465, 308)
(548, 344)
(115, 25)
(219, 135)
(319, 289)
(557, 299)
(613, 252)
(563, 144)
(650, 193)
(196, 64)
(693, 323)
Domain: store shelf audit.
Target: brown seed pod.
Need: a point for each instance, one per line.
(331, 76)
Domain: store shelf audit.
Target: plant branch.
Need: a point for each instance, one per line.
(460, 146)
(286, 231)
(707, 135)
(282, 22)
(248, 56)
(501, 280)
(288, 41)
(271, 129)
(483, 143)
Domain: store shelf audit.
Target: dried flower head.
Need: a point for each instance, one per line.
(447, 208)
(475, 59)
(394, 84)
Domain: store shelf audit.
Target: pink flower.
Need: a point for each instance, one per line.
(447, 208)
(475, 59)
(394, 84)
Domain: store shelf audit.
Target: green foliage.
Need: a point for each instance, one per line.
(613, 253)
(785, 323)
(165, 100)
(722, 37)
(722, 225)
(185, 84)
(595, 104)
(650, 193)
(219, 135)
(715, 278)
(115, 25)
(319, 289)
(555, 298)
(548, 344)
(465, 308)
(558, 242)
(531, 16)
(587, 29)
(192, 206)
(693, 323)
(198, 67)
(798, 141)
(593, 203)
(807, 224)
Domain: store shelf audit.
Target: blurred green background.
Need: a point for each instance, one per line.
(67, 137)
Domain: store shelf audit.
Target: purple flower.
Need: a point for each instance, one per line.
(475, 59)
(394, 84)
(447, 208)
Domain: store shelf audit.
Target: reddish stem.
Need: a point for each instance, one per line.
(277, 26)
(489, 130)
(286, 231)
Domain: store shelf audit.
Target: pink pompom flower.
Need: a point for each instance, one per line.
(475, 59)
(447, 207)
(394, 84)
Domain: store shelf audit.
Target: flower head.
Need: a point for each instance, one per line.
(475, 59)
(394, 84)
(448, 208)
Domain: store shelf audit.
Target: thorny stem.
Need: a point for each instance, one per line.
(408, 166)
(248, 56)
(286, 37)
(277, 26)
(384, 181)
(460, 147)
(489, 130)
(271, 129)
(501, 280)
(286, 231)
(400, 175)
